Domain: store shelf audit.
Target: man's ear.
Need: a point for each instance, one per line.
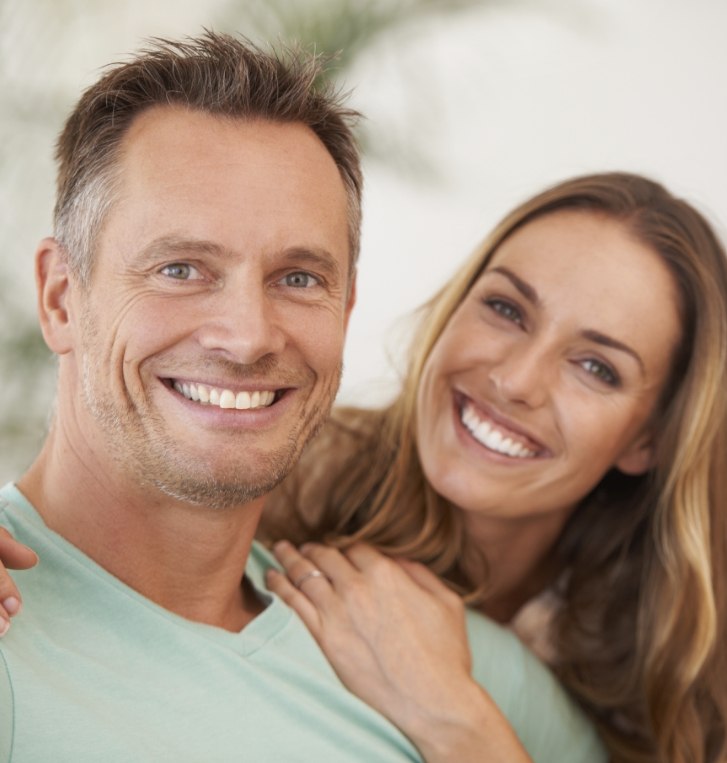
(638, 458)
(53, 287)
(351, 301)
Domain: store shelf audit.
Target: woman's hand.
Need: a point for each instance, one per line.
(15, 556)
(396, 636)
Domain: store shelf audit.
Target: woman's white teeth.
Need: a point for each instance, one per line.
(225, 398)
(486, 434)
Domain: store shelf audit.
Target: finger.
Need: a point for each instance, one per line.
(423, 576)
(331, 561)
(10, 600)
(377, 566)
(15, 555)
(301, 571)
(365, 557)
(9, 607)
(280, 585)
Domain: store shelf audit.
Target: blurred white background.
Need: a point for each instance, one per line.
(468, 112)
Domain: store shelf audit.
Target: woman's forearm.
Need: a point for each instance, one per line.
(473, 730)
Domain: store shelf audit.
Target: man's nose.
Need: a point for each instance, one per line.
(243, 324)
(524, 375)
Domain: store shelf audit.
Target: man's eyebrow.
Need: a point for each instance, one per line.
(522, 286)
(320, 259)
(172, 245)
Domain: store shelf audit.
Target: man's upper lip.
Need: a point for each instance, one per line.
(238, 385)
(492, 413)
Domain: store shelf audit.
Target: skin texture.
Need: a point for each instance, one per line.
(224, 260)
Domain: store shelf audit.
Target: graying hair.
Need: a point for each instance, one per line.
(215, 73)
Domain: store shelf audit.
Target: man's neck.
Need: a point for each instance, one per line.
(188, 559)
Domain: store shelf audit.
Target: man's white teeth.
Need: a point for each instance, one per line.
(225, 398)
(486, 434)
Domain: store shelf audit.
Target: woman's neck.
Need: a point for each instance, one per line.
(521, 559)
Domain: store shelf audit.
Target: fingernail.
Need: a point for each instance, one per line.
(280, 545)
(12, 605)
(4, 625)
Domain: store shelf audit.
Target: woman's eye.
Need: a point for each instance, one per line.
(180, 271)
(506, 309)
(300, 280)
(601, 371)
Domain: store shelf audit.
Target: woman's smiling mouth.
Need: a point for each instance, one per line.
(492, 436)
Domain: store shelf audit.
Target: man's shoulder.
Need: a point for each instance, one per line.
(7, 710)
(7, 493)
(547, 720)
(17, 514)
(260, 560)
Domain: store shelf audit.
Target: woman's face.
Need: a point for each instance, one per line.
(548, 372)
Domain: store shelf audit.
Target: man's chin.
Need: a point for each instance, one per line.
(217, 486)
(217, 495)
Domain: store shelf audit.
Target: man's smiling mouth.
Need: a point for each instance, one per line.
(225, 398)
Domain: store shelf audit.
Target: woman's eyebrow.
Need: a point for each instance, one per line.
(608, 341)
(522, 286)
(591, 334)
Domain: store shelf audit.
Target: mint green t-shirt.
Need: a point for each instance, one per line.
(93, 671)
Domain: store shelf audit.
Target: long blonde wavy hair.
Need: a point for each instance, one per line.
(641, 638)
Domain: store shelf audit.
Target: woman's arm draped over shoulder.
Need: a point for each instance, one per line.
(421, 678)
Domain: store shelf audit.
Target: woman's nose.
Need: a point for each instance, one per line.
(523, 375)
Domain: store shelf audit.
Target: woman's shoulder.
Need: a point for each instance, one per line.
(533, 623)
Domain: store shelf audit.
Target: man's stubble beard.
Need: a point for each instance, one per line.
(136, 441)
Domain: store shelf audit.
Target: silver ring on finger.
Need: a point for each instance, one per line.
(315, 573)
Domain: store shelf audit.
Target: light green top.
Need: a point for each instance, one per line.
(92, 671)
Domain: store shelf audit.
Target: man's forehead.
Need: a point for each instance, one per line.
(256, 184)
(175, 126)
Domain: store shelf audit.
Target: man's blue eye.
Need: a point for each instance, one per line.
(179, 270)
(300, 280)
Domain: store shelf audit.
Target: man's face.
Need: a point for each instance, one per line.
(208, 344)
